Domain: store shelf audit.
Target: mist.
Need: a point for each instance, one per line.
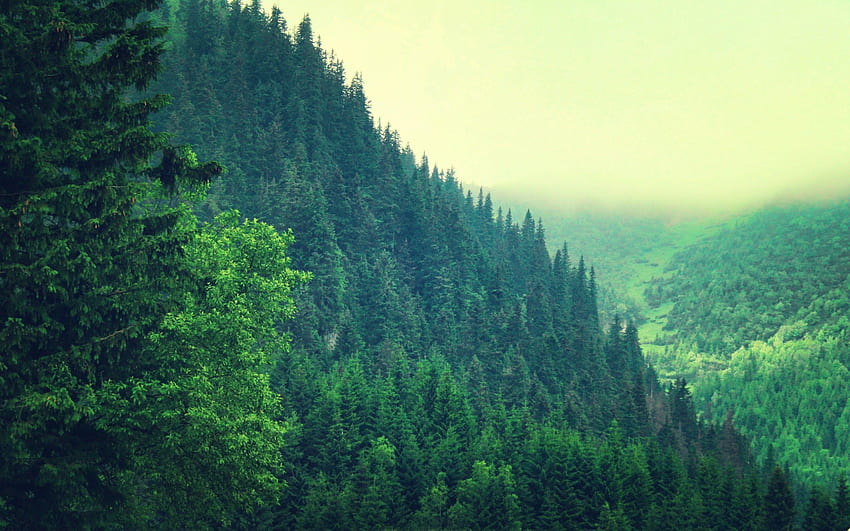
(647, 104)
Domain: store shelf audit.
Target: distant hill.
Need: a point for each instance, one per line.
(758, 317)
(752, 310)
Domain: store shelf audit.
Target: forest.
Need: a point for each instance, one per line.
(232, 300)
(772, 322)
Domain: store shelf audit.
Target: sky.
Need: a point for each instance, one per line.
(651, 103)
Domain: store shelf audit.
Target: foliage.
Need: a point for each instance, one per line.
(790, 398)
(763, 333)
(404, 260)
(446, 370)
(120, 319)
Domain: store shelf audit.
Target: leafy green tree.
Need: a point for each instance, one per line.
(203, 410)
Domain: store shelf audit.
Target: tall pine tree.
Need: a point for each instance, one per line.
(106, 285)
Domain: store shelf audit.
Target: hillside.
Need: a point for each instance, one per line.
(743, 283)
(437, 331)
(628, 249)
(318, 329)
(750, 309)
(757, 319)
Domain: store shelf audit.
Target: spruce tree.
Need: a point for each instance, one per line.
(842, 503)
(778, 501)
(117, 317)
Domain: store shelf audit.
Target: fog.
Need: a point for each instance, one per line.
(644, 103)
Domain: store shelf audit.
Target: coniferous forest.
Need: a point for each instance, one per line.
(231, 299)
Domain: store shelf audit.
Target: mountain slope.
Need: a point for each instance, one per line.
(440, 352)
(402, 257)
(758, 319)
(746, 281)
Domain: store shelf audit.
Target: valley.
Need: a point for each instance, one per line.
(783, 267)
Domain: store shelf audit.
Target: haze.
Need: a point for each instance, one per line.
(639, 102)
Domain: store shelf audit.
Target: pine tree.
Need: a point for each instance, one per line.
(820, 511)
(778, 502)
(118, 317)
(486, 500)
(842, 503)
(374, 502)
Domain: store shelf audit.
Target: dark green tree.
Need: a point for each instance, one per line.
(134, 390)
(373, 499)
(778, 501)
(486, 500)
(434, 507)
(820, 512)
(842, 503)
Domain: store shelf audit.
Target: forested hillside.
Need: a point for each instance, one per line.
(425, 296)
(167, 366)
(759, 316)
(405, 262)
(746, 281)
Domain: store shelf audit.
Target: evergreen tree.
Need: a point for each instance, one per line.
(123, 319)
(842, 503)
(486, 500)
(820, 512)
(374, 501)
(778, 501)
(434, 507)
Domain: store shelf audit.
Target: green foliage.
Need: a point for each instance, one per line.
(778, 502)
(790, 396)
(487, 500)
(820, 512)
(207, 395)
(133, 390)
(445, 371)
(756, 318)
(401, 255)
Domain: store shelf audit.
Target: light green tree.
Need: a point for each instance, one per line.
(486, 500)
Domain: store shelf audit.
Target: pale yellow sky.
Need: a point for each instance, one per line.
(649, 101)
